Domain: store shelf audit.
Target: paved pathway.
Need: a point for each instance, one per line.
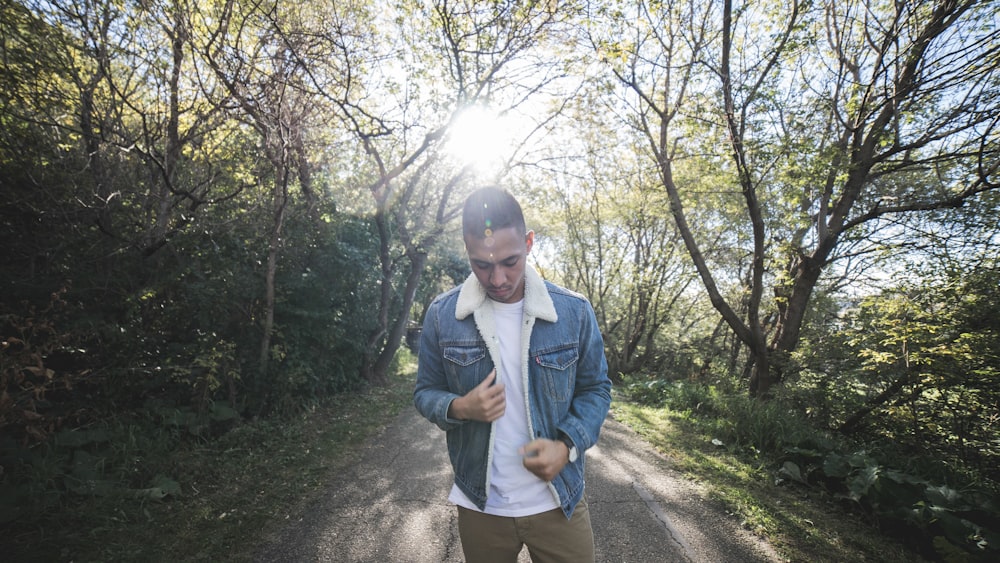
(391, 507)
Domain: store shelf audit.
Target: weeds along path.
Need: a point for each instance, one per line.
(391, 506)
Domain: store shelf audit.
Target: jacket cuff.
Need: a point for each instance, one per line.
(448, 423)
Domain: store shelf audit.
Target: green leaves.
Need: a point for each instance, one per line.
(957, 522)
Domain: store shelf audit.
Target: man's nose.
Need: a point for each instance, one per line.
(497, 277)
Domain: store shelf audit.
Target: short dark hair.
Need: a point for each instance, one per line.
(491, 208)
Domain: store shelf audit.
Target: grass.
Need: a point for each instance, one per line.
(802, 525)
(233, 490)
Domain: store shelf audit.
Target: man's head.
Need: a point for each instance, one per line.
(497, 242)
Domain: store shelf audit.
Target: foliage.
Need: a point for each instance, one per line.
(957, 524)
(618, 246)
(953, 521)
(736, 420)
(801, 524)
(819, 127)
(913, 368)
(41, 366)
(324, 313)
(138, 488)
(216, 213)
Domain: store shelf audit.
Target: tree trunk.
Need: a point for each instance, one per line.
(380, 368)
(373, 347)
(273, 248)
(92, 146)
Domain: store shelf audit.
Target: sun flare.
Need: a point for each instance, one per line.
(479, 137)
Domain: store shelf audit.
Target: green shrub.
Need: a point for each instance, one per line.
(955, 524)
(950, 524)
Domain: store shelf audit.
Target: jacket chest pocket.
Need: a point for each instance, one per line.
(556, 369)
(466, 366)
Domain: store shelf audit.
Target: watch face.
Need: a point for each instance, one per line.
(572, 448)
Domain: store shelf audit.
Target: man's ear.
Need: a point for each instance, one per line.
(529, 240)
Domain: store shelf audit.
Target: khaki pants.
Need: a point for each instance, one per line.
(550, 537)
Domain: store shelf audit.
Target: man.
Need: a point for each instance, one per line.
(513, 369)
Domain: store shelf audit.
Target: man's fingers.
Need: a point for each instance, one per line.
(491, 398)
(541, 457)
(488, 380)
(497, 401)
(530, 449)
(496, 392)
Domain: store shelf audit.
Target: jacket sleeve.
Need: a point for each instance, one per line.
(432, 396)
(592, 391)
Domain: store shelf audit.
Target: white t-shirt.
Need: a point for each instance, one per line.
(514, 491)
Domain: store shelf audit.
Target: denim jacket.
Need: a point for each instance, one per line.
(567, 390)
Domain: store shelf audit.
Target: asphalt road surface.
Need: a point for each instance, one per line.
(392, 506)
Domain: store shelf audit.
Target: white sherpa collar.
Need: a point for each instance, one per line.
(537, 302)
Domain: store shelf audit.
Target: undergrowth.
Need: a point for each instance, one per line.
(762, 460)
(180, 487)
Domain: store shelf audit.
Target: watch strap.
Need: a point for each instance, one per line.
(569, 444)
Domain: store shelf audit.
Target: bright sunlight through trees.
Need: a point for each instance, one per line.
(481, 138)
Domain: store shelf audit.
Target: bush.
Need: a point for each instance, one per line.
(953, 524)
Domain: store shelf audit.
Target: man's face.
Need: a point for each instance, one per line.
(498, 262)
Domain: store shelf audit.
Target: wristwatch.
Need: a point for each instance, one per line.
(572, 449)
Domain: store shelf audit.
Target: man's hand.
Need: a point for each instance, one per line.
(484, 403)
(545, 458)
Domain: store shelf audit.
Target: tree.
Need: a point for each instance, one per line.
(452, 56)
(259, 56)
(894, 117)
(922, 363)
(616, 245)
